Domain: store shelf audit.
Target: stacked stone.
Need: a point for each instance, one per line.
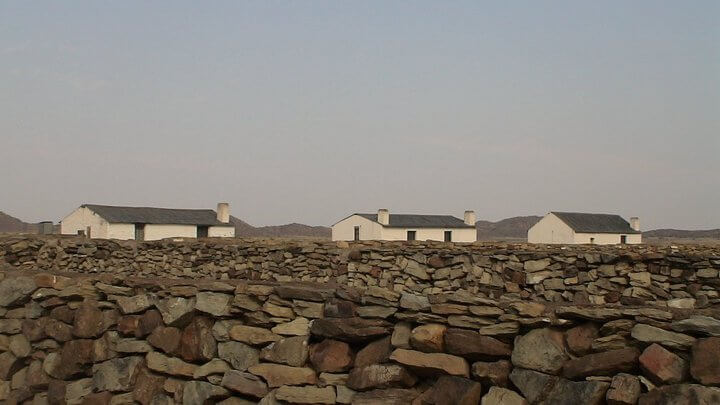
(114, 340)
(685, 277)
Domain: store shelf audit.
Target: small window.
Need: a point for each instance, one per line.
(411, 235)
(202, 231)
(623, 239)
(592, 241)
(448, 236)
(356, 235)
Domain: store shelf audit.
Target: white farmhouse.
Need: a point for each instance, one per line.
(383, 226)
(147, 223)
(579, 228)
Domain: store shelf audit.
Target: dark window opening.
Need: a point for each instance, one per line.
(592, 241)
(356, 236)
(88, 231)
(202, 231)
(139, 231)
(623, 239)
(448, 236)
(411, 235)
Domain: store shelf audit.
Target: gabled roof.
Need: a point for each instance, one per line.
(420, 221)
(151, 215)
(595, 223)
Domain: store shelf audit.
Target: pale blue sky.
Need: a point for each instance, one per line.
(308, 111)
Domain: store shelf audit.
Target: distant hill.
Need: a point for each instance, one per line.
(11, 224)
(243, 229)
(682, 234)
(515, 227)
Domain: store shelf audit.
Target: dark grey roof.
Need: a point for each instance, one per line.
(151, 215)
(595, 223)
(421, 221)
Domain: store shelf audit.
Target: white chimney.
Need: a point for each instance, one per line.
(470, 218)
(223, 212)
(384, 216)
(635, 223)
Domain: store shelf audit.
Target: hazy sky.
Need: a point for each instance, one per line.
(306, 111)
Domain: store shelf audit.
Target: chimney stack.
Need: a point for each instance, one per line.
(223, 212)
(470, 218)
(635, 223)
(383, 216)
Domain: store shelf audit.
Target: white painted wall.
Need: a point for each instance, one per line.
(221, 231)
(120, 231)
(606, 238)
(162, 231)
(80, 219)
(551, 229)
(371, 230)
(345, 229)
(438, 234)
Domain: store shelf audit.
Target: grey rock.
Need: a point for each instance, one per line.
(540, 350)
(197, 392)
(239, 355)
(217, 304)
(502, 396)
(16, 290)
(651, 334)
(699, 324)
(116, 375)
(176, 311)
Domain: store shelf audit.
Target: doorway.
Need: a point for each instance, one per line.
(139, 231)
(356, 234)
(411, 235)
(448, 236)
(202, 231)
(623, 239)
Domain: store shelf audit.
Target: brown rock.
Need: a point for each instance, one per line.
(166, 339)
(58, 330)
(376, 352)
(401, 335)
(306, 395)
(431, 363)
(624, 390)
(169, 365)
(278, 375)
(56, 392)
(336, 308)
(34, 330)
(293, 351)
(252, 335)
(455, 390)
(98, 398)
(128, 325)
(331, 356)
(705, 364)
(63, 314)
(380, 376)
(661, 366)
(604, 363)
(350, 329)
(244, 383)
(436, 261)
(147, 386)
(36, 379)
(429, 338)
(541, 350)
(495, 373)
(9, 365)
(389, 396)
(148, 322)
(681, 394)
(580, 338)
(474, 346)
(502, 396)
(89, 321)
(197, 342)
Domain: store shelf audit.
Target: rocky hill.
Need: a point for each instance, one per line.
(11, 224)
(243, 229)
(515, 227)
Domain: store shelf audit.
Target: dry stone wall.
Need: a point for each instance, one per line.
(683, 276)
(114, 339)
